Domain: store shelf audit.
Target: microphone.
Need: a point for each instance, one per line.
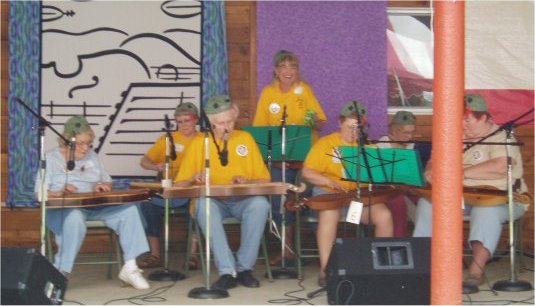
(72, 148)
(223, 155)
(168, 130)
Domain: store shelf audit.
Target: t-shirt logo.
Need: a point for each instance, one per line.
(477, 155)
(179, 147)
(242, 150)
(274, 108)
(298, 90)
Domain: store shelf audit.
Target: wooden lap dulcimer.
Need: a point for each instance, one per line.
(93, 199)
(478, 196)
(327, 201)
(153, 187)
(197, 191)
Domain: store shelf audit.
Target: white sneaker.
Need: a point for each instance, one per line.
(134, 278)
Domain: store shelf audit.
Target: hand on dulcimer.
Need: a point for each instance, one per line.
(479, 195)
(379, 194)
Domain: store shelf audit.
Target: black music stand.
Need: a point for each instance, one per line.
(288, 142)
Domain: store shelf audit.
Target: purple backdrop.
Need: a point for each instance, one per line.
(342, 46)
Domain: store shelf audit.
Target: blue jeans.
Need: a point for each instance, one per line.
(252, 212)
(68, 225)
(485, 221)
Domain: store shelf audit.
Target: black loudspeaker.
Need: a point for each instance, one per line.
(29, 278)
(382, 271)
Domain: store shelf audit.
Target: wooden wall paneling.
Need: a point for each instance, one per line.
(241, 38)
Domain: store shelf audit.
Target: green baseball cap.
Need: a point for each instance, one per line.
(476, 103)
(76, 125)
(186, 109)
(348, 110)
(404, 118)
(217, 104)
(283, 55)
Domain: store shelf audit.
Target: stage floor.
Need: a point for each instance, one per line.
(88, 285)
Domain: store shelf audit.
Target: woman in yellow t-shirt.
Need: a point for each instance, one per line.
(288, 95)
(187, 117)
(324, 170)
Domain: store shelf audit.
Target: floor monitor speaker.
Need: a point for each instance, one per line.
(382, 271)
(29, 278)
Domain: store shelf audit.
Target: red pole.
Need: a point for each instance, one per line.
(446, 245)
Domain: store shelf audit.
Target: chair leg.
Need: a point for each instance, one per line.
(49, 246)
(110, 253)
(298, 249)
(188, 247)
(118, 253)
(266, 258)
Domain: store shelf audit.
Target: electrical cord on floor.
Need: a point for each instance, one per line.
(150, 297)
(72, 302)
(528, 301)
(292, 299)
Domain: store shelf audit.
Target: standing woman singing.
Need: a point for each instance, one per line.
(288, 95)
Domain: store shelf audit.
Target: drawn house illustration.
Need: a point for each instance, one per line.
(123, 65)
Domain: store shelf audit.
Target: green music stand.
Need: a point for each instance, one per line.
(298, 141)
(387, 165)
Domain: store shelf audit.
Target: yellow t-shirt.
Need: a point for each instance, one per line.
(297, 101)
(157, 152)
(322, 158)
(244, 159)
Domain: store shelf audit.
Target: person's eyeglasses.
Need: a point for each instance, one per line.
(84, 144)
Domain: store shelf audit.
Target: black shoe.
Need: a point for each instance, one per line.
(225, 282)
(247, 279)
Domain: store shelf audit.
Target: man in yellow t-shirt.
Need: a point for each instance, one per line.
(288, 93)
(323, 168)
(234, 159)
(186, 117)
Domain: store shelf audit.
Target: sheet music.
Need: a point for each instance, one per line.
(387, 165)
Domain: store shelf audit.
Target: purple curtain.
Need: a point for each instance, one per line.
(342, 46)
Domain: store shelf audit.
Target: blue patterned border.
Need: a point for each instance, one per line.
(24, 83)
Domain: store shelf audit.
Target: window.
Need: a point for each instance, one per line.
(410, 60)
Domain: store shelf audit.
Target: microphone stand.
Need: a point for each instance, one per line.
(283, 272)
(362, 142)
(166, 274)
(43, 191)
(207, 292)
(512, 284)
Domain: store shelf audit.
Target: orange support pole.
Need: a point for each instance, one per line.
(446, 243)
